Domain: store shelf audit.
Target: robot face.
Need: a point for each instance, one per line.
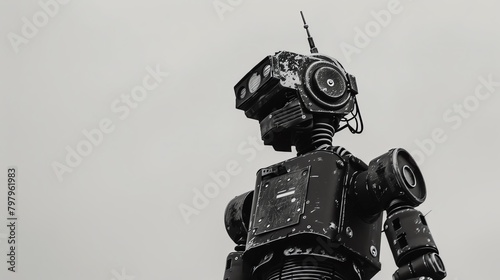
(319, 82)
(286, 90)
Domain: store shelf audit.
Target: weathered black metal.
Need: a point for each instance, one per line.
(409, 235)
(319, 215)
(237, 216)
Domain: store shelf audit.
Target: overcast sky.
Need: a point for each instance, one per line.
(118, 113)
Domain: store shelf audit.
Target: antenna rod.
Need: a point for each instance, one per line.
(309, 38)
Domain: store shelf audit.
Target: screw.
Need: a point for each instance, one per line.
(373, 251)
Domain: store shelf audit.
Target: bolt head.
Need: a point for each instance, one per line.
(373, 251)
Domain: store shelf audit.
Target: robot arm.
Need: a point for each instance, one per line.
(236, 221)
(394, 183)
(412, 245)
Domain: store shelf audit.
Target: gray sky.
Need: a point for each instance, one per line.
(116, 113)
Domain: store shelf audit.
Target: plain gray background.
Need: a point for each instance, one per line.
(116, 215)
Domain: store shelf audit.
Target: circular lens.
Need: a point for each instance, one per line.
(243, 93)
(254, 83)
(266, 71)
(439, 262)
(329, 81)
(409, 176)
(409, 179)
(326, 84)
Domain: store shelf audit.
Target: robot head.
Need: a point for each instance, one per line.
(294, 96)
(288, 92)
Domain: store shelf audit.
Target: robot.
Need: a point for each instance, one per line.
(319, 215)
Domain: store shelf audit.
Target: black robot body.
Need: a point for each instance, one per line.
(300, 217)
(319, 215)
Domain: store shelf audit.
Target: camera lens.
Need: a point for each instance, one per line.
(254, 83)
(409, 176)
(266, 71)
(243, 93)
(329, 81)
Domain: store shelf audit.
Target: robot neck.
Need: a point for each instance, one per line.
(319, 138)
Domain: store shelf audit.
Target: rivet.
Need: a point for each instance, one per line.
(373, 251)
(349, 232)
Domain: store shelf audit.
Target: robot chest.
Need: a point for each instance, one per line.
(301, 196)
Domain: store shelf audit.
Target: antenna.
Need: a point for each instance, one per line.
(309, 38)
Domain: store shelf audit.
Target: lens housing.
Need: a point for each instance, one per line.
(326, 88)
(392, 179)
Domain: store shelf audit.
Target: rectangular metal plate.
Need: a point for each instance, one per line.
(281, 201)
